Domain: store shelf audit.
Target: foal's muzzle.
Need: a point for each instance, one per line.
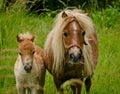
(28, 67)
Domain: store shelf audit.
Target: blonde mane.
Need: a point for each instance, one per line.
(54, 42)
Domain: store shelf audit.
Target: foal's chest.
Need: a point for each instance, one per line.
(29, 78)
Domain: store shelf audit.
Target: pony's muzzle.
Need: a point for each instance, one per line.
(28, 67)
(75, 54)
(74, 57)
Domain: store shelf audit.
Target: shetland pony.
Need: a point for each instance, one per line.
(71, 50)
(29, 68)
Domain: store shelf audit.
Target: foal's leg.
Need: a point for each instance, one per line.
(28, 91)
(36, 91)
(88, 84)
(20, 90)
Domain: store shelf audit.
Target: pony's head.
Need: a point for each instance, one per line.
(73, 39)
(26, 50)
(69, 40)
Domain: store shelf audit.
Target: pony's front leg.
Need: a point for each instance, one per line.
(60, 91)
(88, 83)
(73, 89)
(76, 90)
(58, 83)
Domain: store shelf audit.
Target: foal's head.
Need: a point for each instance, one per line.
(73, 38)
(26, 50)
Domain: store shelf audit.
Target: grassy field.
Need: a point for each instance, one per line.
(107, 75)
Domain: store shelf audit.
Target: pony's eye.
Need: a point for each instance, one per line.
(33, 52)
(65, 34)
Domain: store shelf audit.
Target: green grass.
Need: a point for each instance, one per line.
(107, 75)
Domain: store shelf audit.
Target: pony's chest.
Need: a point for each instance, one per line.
(73, 71)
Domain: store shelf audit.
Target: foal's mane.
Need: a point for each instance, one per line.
(54, 42)
(25, 35)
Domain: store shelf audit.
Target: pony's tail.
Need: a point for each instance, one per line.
(72, 82)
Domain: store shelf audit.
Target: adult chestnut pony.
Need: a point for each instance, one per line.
(71, 50)
(29, 67)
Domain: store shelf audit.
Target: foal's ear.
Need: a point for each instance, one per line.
(84, 37)
(64, 15)
(33, 37)
(87, 14)
(19, 39)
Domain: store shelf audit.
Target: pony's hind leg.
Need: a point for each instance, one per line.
(88, 83)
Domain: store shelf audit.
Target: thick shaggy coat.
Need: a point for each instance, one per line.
(29, 67)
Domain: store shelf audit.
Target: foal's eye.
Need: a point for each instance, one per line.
(20, 53)
(65, 34)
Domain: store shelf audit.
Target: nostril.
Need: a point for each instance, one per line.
(79, 56)
(71, 56)
(28, 68)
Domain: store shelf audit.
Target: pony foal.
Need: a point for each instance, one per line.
(29, 68)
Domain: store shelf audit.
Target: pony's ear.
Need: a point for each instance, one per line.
(64, 15)
(83, 33)
(18, 39)
(33, 37)
(84, 37)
